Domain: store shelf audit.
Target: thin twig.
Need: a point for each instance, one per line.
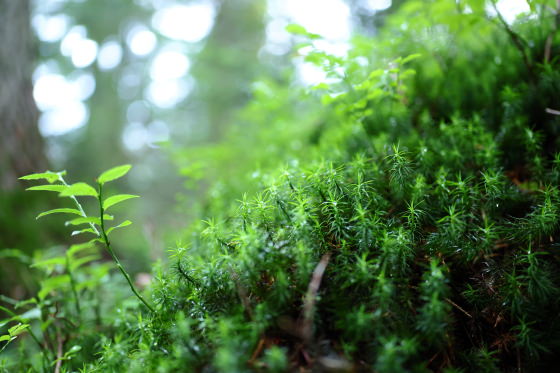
(458, 307)
(258, 350)
(550, 37)
(58, 353)
(311, 297)
(547, 48)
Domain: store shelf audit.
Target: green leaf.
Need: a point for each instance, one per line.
(89, 220)
(84, 220)
(73, 350)
(25, 302)
(79, 189)
(300, 30)
(50, 176)
(32, 314)
(5, 338)
(68, 355)
(17, 329)
(411, 57)
(113, 200)
(49, 263)
(15, 254)
(86, 230)
(113, 173)
(79, 248)
(296, 29)
(49, 188)
(299, 46)
(121, 225)
(59, 211)
(12, 318)
(76, 263)
(45, 324)
(7, 310)
(52, 283)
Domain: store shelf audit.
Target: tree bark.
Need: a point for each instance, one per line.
(21, 145)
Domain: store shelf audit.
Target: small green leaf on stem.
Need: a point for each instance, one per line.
(59, 211)
(79, 189)
(17, 329)
(78, 248)
(50, 176)
(51, 284)
(113, 173)
(49, 188)
(89, 220)
(84, 220)
(49, 263)
(72, 351)
(410, 57)
(121, 225)
(113, 200)
(76, 263)
(87, 230)
(300, 30)
(15, 254)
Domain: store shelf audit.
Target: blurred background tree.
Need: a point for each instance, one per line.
(21, 146)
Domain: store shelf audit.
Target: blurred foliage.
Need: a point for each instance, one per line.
(400, 216)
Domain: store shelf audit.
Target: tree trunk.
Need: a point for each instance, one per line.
(21, 145)
(229, 62)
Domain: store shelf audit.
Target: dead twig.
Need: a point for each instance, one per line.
(458, 307)
(552, 111)
(311, 297)
(59, 351)
(257, 351)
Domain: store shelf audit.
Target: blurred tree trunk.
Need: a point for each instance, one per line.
(229, 62)
(21, 145)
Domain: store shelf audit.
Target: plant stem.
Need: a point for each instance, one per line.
(103, 235)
